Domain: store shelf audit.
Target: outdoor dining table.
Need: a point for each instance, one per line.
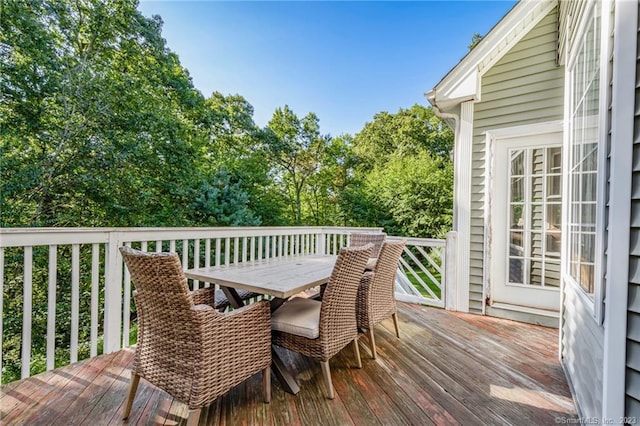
(280, 278)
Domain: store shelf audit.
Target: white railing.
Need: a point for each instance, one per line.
(79, 273)
(424, 269)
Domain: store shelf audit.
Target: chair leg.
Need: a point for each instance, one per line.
(194, 417)
(372, 343)
(395, 323)
(356, 349)
(133, 388)
(326, 372)
(266, 384)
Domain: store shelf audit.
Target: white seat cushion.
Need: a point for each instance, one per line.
(299, 316)
(371, 263)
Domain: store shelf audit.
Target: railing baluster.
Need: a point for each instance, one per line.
(253, 249)
(51, 307)
(158, 246)
(126, 311)
(227, 251)
(196, 260)
(260, 252)
(236, 249)
(185, 254)
(244, 249)
(218, 248)
(75, 300)
(95, 283)
(27, 296)
(207, 257)
(267, 249)
(172, 246)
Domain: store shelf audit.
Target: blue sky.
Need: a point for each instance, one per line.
(345, 61)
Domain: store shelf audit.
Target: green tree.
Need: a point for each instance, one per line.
(417, 192)
(94, 123)
(223, 203)
(404, 133)
(236, 144)
(475, 39)
(395, 152)
(295, 148)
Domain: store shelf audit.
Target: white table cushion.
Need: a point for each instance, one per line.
(299, 316)
(371, 263)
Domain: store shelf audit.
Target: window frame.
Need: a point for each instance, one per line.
(594, 303)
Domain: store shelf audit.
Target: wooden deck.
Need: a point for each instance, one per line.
(448, 368)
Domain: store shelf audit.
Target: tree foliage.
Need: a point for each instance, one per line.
(100, 125)
(406, 176)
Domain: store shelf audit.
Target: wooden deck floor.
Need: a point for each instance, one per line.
(448, 368)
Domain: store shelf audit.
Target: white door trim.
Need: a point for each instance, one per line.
(491, 138)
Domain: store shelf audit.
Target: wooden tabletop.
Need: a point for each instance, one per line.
(278, 277)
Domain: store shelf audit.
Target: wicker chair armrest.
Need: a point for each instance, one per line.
(204, 296)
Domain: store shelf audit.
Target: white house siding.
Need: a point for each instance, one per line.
(524, 87)
(582, 354)
(633, 315)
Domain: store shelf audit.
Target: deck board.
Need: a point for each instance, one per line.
(447, 368)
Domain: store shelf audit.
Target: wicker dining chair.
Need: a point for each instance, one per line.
(376, 294)
(185, 346)
(320, 329)
(361, 239)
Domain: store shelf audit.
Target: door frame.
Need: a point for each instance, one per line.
(492, 137)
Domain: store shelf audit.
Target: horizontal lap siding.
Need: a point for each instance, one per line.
(523, 87)
(633, 313)
(582, 353)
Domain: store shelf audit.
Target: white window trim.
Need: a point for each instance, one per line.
(595, 305)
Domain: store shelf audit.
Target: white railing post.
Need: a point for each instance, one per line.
(112, 294)
(450, 278)
(320, 249)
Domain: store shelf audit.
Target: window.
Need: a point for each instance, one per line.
(535, 216)
(584, 151)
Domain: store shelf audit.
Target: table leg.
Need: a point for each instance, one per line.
(276, 302)
(232, 296)
(283, 375)
(281, 372)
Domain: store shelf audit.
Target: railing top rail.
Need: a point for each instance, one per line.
(424, 242)
(16, 237)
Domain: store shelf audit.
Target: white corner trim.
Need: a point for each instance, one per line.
(462, 202)
(622, 119)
